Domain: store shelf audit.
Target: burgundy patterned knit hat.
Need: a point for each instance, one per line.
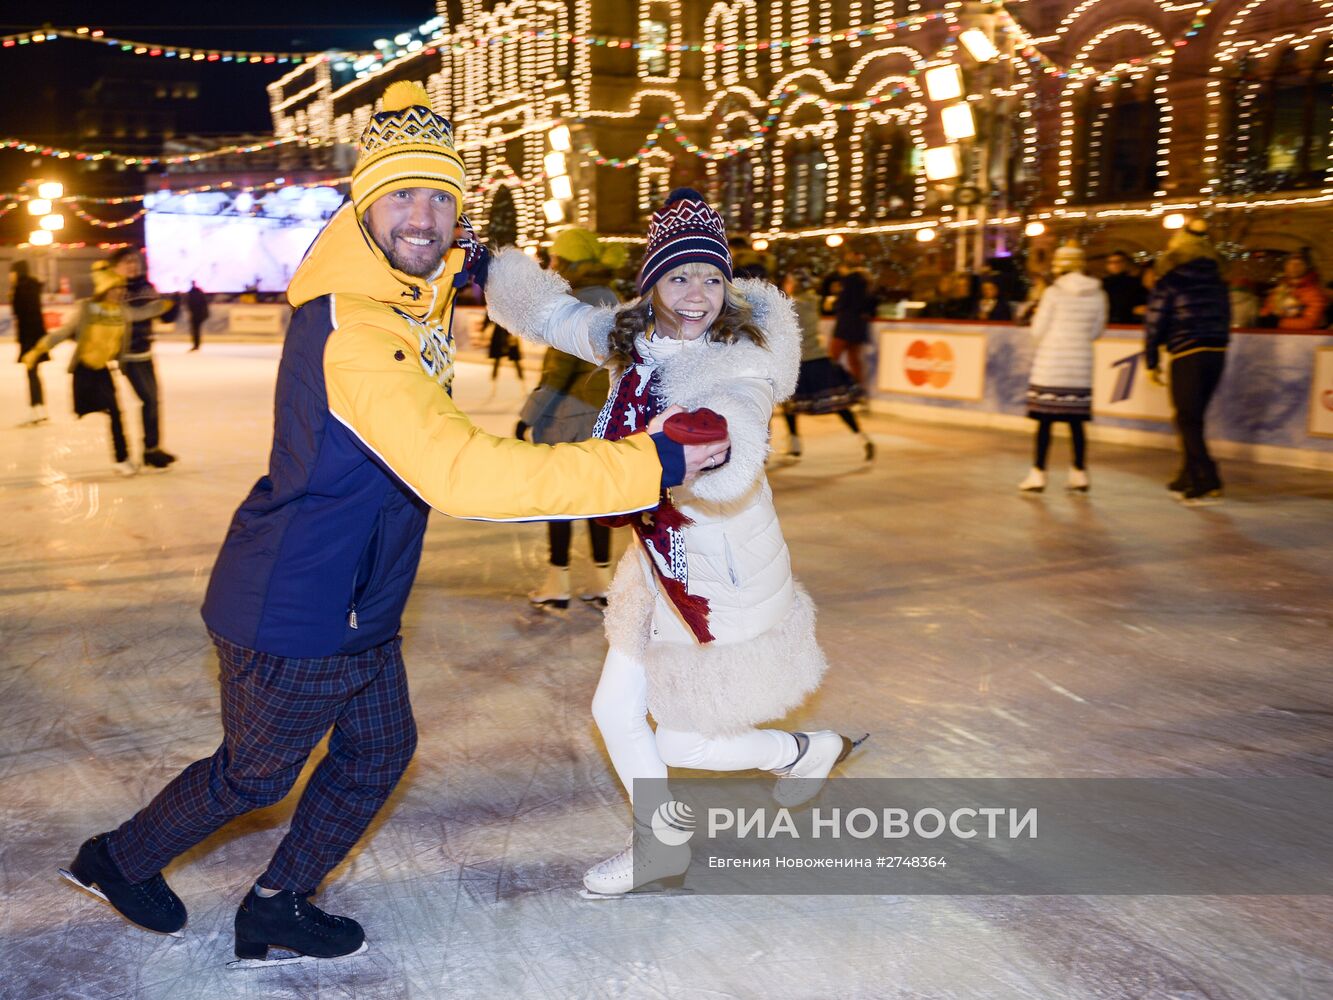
(683, 231)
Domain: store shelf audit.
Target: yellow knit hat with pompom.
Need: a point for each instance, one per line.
(406, 145)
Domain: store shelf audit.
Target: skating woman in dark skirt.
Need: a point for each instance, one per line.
(822, 386)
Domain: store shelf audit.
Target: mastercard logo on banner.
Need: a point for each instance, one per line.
(1327, 399)
(928, 364)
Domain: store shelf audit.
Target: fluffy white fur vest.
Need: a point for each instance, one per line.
(765, 659)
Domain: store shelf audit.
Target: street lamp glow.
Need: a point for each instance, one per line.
(530, 249)
(942, 163)
(559, 138)
(759, 245)
(926, 235)
(50, 189)
(53, 222)
(1034, 228)
(978, 43)
(555, 212)
(833, 240)
(554, 164)
(1173, 221)
(561, 187)
(39, 206)
(41, 238)
(958, 121)
(944, 83)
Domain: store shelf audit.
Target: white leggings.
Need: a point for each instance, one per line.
(620, 707)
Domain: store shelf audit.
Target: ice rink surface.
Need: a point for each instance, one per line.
(972, 631)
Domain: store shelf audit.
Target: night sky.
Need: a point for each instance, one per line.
(43, 85)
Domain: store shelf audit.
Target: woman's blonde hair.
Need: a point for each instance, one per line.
(735, 321)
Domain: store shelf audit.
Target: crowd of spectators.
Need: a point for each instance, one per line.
(1293, 299)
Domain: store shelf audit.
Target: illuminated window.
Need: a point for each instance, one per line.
(1279, 123)
(806, 200)
(736, 191)
(653, 37)
(889, 184)
(1120, 160)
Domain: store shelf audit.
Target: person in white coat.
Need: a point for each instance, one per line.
(1070, 316)
(708, 630)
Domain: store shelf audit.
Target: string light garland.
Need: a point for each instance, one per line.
(103, 223)
(55, 152)
(73, 202)
(82, 245)
(185, 53)
(463, 43)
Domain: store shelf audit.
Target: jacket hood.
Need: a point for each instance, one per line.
(344, 259)
(1078, 283)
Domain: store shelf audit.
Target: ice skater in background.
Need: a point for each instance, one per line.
(136, 362)
(822, 386)
(196, 303)
(100, 329)
(708, 630)
(1070, 315)
(564, 407)
(503, 344)
(26, 304)
(1189, 317)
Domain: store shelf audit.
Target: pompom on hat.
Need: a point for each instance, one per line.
(685, 230)
(1190, 242)
(406, 145)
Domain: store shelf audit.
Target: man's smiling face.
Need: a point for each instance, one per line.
(414, 227)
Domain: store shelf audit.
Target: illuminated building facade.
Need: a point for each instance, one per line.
(805, 120)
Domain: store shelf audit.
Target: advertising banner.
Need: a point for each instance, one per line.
(944, 365)
(257, 318)
(1120, 383)
(1321, 394)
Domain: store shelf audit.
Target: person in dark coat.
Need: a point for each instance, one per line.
(991, 304)
(853, 309)
(136, 360)
(1189, 314)
(565, 405)
(26, 304)
(196, 301)
(1124, 290)
(503, 344)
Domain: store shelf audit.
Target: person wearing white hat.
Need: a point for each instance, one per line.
(1069, 317)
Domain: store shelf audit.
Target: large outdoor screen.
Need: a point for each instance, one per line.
(230, 242)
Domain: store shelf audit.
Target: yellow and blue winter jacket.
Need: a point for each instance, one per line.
(320, 557)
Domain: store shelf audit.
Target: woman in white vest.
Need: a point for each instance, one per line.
(1069, 317)
(708, 630)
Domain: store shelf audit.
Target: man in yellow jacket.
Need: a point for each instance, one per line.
(306, 597)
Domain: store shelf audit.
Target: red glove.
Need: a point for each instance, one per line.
(695, 427)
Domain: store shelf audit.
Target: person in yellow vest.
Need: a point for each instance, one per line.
(306, 598)
(99, 328)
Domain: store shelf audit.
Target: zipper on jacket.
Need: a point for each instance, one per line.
(359, 588)
(731, 562)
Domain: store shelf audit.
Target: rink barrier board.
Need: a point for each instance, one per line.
(1274, 404)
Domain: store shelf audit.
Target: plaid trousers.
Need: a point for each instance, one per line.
(275, 709)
